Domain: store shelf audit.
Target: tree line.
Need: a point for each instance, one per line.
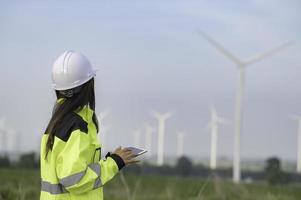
(184, 167)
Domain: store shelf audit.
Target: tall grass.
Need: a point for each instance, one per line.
(23, 184)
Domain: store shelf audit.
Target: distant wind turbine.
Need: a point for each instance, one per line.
(102, 115)
(102, 135)
(102, 128)
(180, 144)
(137, 137)
(241, 65)
(2, 123)
(213, 125)
(298, 118)
(38, 133)
(161, 132)
(148, 139)
(3, 135)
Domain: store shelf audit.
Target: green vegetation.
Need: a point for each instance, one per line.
(23, 184)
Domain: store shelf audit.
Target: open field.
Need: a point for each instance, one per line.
(23, 184)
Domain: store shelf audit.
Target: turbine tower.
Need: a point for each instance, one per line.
(3, 136)
(298, 118)
(240, 66)
(180, 144)
(102, 128)
(148, 139)
(102, 135)
(161, 132)
(137, 135)
(11, 141)
(38, 133)
(213, 125)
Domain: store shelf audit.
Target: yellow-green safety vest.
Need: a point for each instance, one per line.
(73, 169)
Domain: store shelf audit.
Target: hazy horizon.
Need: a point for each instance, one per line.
(150, 57)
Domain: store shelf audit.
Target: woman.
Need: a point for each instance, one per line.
(71, 168)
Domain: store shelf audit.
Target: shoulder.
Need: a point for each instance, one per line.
(70, 123)
(86, 113)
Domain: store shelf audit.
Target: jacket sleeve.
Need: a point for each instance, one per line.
(75, 169)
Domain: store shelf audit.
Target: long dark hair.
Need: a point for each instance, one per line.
(85, 95)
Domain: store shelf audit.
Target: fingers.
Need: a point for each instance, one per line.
(127, 150)
(133, 162)
(130, 153)
(127, 155)
(120, 149)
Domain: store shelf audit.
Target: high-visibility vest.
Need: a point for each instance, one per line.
(73, 169)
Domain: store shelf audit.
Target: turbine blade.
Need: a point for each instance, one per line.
(220, 48)
(268, 53)
(295, 117)
(103, 114)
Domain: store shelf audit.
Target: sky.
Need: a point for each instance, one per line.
(151, 57)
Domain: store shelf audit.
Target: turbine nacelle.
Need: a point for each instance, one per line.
(161, 116)
(215, 119)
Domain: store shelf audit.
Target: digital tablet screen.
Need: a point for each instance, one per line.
(137, 151)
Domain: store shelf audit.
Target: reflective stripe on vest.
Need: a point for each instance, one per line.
(53, 188)
(68, 181)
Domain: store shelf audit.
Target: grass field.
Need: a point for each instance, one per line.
(23, 184)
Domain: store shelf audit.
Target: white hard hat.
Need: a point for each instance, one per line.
(71, 69)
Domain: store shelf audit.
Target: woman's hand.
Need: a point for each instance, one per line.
(126, 155)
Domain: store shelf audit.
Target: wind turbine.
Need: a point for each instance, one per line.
(298, 118)
(148, 139)
(103, 129)
(137, 135)
(240, 66)
(102, 135)
(213, 125)
(11, 141)
(180, 144)
(18, 143)
(2, 123)
(3, 134)
(161, 132)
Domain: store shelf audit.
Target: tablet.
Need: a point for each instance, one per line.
(137, 151)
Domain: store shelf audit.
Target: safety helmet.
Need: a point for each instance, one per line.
(70, 70)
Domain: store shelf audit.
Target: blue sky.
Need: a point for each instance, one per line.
(150, 57)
